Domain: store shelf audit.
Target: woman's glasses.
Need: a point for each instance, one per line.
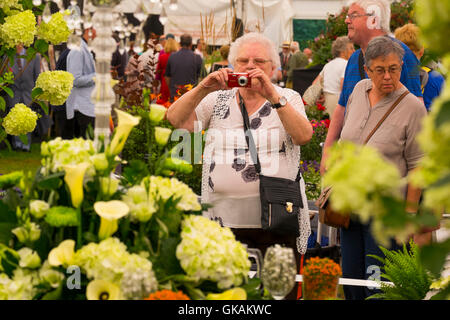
(257, 61)
(380, 71)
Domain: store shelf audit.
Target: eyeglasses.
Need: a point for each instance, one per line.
(257, 61)
(380, 71)
(353, 16)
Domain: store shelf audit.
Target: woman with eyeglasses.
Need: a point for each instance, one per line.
(278, 125)
(395, 139)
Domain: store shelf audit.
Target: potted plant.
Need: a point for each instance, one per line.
(320, 279)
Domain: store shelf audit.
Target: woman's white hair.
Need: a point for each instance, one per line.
(254, 37)
(378, 8)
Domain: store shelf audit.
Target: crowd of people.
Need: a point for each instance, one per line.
(358, 87)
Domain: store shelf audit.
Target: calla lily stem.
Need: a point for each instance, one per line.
(80, 228)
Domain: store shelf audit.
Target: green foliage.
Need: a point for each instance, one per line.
(404, 269)
(401, 13)
(140, 146)
(305, 30)
(433, 256)
(321, 46)
(311, 153)
(311, 174)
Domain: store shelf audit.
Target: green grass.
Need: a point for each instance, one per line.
(18, 160)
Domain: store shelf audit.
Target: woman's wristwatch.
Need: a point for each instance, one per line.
(282, 101)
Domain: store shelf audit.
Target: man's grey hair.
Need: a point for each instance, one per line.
(377, 8)
(382, 47)
(254, 37)
(339, 45)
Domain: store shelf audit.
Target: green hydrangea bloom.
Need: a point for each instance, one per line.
(143, 199)
(142, 206)
(61, 217)
(109, 260)
(57, 153)
(433, 19)
(22, 286)
(56, 85)
(6, 4)
(55, 31)
(172, 187)
(20, 120)
(351, 168)
(18, 29)
(209, 252)
(435, 165)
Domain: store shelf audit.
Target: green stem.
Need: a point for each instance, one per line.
(149, 144)
(51, 198)
(80, 228)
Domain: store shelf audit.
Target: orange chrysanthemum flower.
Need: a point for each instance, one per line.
(167, 295)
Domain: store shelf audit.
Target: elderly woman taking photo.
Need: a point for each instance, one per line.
(278, 124)
(395, 139)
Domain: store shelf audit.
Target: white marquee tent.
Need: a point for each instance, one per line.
(272, 17)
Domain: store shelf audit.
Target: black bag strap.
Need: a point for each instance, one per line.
(251, 142)
(362, 73)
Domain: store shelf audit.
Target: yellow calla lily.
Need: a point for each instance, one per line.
(157, 113)
(62, 254)
(74, 179)
(102, 290)
(162, 135)
(109, 185)
(126, 122)
(109, 212)
(231, 294)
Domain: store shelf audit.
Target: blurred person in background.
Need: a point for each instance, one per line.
(170, 46)
(431, 81)
(332, 74)
(224, 51)
(298, 60)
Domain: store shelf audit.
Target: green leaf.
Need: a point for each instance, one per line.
(36, 92)
(441, 182)
(7, 215)
(9, 259)
(9, 91)
(5, 232)
(31, 53)
(23, 138)
(43, 106)
(442, 295)
(167, 263)
(433, 256)
(41, 46)
(2, 104)
(443, 115)
(51, 182)
(54, 295)
(135, 172)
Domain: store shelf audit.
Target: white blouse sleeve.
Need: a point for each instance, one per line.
(204, 112)
(295, 100)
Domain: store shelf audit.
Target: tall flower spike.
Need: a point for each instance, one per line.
(74, 179)
(109, 212)
(126, 122)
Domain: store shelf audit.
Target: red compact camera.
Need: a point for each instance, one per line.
(239, 80)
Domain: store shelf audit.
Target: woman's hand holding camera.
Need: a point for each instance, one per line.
(216, 80)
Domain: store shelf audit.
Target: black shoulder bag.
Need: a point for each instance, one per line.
(281, 198)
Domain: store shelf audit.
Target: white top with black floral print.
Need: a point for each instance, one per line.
(230, 181)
